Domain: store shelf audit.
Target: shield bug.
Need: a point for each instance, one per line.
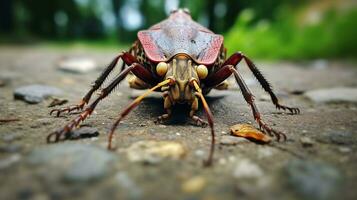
(183, 60)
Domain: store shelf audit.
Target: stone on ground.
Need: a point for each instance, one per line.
(73, 161)
(333, 95)
(313, 180)
(35, 93)
(152, 152)
(77, 65)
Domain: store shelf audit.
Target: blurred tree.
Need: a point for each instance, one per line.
(6, 15)
(117, 5)
(211, 16)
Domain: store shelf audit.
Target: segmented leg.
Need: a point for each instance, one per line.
(250, 100)
(237, 57)
(195, 118)
(167, 107)
(209, 116)
(127, 59)
(64, 133)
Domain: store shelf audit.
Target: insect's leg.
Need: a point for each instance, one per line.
(137, 83)
(167, 107)
(237, 57)
(248, 96)
(132, 105)
(218, 77)
(127, 59)
(123, 64)
(195, 118)
(222, 86)
(64, 133)
(209, 115)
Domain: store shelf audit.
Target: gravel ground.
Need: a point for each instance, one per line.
(318, 161)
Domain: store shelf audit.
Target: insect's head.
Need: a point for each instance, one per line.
(182, 70)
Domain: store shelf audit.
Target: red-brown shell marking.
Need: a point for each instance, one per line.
(180, 34)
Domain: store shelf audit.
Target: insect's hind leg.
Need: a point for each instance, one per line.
(127, 59)
(237, 57)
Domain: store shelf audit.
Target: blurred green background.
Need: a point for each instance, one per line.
(265, 29)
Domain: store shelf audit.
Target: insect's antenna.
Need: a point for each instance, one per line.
(209, 115)
(131, 106)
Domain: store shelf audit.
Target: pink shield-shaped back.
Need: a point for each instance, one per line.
(162, 44)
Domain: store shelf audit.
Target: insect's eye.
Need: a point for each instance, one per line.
(161, 68)
(202, 71)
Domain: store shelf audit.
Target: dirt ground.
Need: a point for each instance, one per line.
(318, 161)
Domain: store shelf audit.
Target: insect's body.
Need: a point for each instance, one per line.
(183, 44)
(182, 59)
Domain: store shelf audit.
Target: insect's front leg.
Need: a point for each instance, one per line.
(64, 133)
(249, 98)
(167, 106)
(235, 60)
(195, 118)
(227, 71)
(127, 59)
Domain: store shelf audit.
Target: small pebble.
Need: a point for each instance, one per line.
(307, 142)
(84, 132)
(231, 140)
(344, 149)
(245, 168)
(264, 97)
(44, 121)
(77, 65)
(152, 152)
(6, 78)
(57, 102)
(313, 180)
(194, 185)
(222, 161)
(333, 95)
(10, 137)
(200, 153)
(10, 148)
(339, 137)
(265, 152)
(34, 94)
(297, 92)
(9, 161)
(127, 183)
(72, 161)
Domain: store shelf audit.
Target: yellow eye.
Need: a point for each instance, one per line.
(202, 71)
(161, 68)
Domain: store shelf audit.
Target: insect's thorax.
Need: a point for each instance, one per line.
(182, 70)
